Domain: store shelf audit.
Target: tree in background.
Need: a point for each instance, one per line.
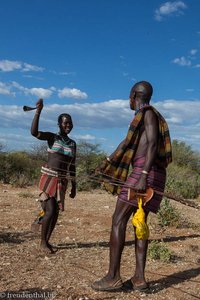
(89, 157)
(183, 178)
(23, 168)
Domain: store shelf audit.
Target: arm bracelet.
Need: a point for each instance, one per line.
(145, 172)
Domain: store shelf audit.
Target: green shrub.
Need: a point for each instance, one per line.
(89, 157)
(183, 155)
(18, 168)
(183, 174)
(26, 195)
(167, 214)
(159, 251)
(182, 181)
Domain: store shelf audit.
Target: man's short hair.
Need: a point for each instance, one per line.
(143, 89)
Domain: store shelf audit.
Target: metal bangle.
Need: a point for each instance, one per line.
(145, 172)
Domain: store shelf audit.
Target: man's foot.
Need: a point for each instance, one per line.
(135, 285)
(107, 285)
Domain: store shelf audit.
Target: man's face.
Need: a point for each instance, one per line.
(136, 93)
(66, 125)
(132, 100)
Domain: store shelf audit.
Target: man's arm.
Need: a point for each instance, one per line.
(118, 148)
(151, 130)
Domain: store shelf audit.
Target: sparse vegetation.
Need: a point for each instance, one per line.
(23, 168)
(26, 195)
(183, 178)
(167, 214)
(89, 157)
(159, 251)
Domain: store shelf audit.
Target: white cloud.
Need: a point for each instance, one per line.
(193, 51)
(182, 112)
(112, 113)
(67, 73)
(27, 68)
(5, 89)
(197, 66)
(9, 66)
(72, 93)
(189, 90)
(182, 61)
(169, 9)
(40, 92)
(87, 137)
(182, 117)
(35, 91)
(13, 87)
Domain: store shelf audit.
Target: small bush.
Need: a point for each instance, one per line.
(182, 181)
(159, 251)
(168, 215)
(26, 195)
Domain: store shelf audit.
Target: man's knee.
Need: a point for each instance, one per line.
(121, 215)
(118, 221)
(51, 207)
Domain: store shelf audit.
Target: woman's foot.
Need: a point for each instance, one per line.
(46, 248)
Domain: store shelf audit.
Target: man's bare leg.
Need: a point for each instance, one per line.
(141, 247)
(121, 216)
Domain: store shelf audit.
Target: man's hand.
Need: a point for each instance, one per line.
(102, 166)
(141, 185)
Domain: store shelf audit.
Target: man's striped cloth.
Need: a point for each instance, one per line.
(118, 166)
(155, 179)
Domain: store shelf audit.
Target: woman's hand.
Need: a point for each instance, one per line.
(39, 105)
(73, 191)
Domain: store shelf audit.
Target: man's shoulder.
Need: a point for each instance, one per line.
(150, 111)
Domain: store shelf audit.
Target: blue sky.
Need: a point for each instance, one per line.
(83, 56)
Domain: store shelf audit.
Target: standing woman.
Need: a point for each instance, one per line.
(59, 169)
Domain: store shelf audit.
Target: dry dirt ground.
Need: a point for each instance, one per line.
(82, 236)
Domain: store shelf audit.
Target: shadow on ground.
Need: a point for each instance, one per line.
(16, 237)
(128, 243)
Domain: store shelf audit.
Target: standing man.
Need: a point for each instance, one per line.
(147, 147)
(55, 174)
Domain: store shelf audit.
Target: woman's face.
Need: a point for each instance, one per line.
(66, 125)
